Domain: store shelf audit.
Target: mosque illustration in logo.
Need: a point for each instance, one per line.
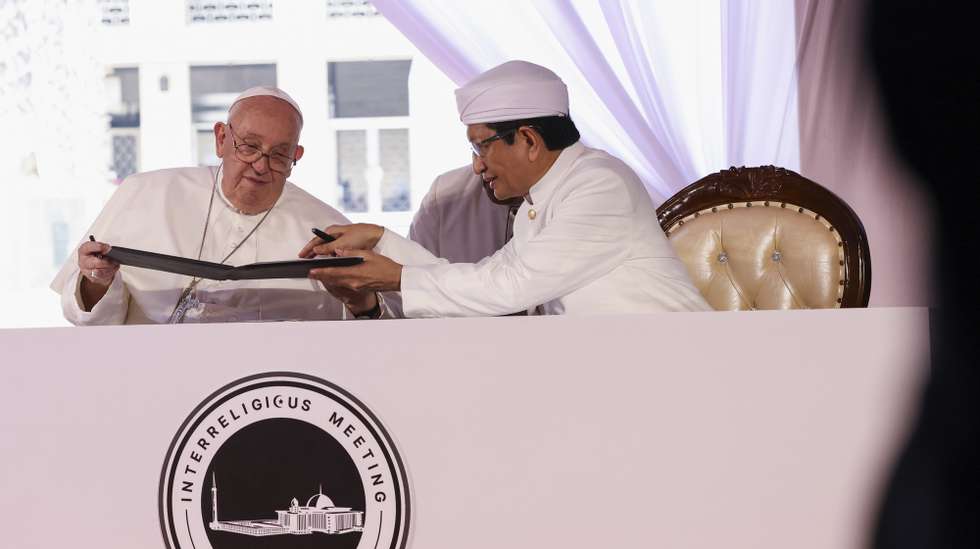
(318, 515)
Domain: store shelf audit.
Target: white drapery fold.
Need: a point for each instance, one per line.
(630, 46)
(759, 83)
(676, 89)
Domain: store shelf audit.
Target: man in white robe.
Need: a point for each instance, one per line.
(461, 221)
(458, 221)
(245, 208)
(586, 240)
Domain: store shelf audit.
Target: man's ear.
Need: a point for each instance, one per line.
(298, 154)
(219, 138)
(535, 143)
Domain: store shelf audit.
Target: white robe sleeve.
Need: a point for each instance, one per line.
(111, 309)
(588, 236)
(402, 251)
(405, 251)
(424, 230)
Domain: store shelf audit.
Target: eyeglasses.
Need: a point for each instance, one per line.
(250, 154)
(480, 147)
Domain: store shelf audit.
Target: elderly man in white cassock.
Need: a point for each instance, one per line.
(242, 211)
(586, 238)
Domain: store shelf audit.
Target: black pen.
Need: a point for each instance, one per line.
(92, 239)
(323, 236)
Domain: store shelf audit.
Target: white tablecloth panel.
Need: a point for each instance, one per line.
(703, 430)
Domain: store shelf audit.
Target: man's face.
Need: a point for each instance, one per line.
(271, 126)
(514, 203)
(504, 167)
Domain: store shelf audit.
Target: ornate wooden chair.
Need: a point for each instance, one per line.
(768, 238)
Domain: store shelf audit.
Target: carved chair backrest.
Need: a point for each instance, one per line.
(768, 238)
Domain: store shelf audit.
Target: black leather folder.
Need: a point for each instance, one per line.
(216, 271)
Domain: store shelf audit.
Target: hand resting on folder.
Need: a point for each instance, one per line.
(375, 272)
(339, 241)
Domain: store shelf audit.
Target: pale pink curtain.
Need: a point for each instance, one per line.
(843, 146)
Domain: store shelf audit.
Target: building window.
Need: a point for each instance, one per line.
(125, 155)
(396, 190)
(368, 88)
(368, 106)
(114, 12)
(61, 217)
(204, 146)
(224, 11)
(352, 170)
(59, 242)
(213, 89)
(122, 87)
(351, 8)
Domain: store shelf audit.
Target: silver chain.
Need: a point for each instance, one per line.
(185, 301)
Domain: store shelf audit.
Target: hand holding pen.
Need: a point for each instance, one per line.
(97, 271)
(360, 236)
(93, 264)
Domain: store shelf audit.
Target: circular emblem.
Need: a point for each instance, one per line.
(286, 457)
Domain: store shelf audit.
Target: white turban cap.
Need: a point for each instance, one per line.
(271, 92)
(512, 91)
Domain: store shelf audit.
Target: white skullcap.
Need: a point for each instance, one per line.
(512, 91)
(271, 92)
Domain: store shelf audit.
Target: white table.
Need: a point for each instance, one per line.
(762, 429)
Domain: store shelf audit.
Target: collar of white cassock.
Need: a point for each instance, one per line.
(545, 187)
(232, 207)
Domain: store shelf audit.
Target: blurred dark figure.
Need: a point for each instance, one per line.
(925, 58)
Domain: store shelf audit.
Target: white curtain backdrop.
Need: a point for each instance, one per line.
(676, 88)
(52, 91)
(54, 146)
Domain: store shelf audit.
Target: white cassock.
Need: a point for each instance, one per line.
(457, 221)
(164, 211)
(593, 246)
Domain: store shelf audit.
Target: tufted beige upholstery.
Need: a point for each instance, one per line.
(748, 246)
